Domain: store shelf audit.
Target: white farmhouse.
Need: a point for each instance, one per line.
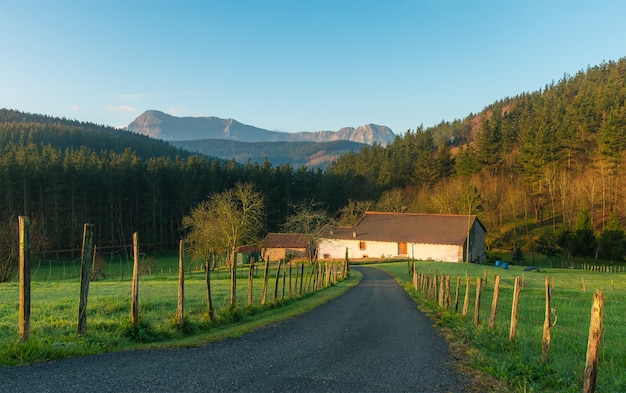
(437, 237)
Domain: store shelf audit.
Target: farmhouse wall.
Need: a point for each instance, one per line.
(336, 249)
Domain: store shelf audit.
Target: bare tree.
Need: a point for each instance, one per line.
(224, 222)
(309, 220)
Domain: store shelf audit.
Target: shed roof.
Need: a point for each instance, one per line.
(408, 227)
(285, 240)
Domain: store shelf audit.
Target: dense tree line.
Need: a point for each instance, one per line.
(538, 160)
(544, 171)
(63, 174)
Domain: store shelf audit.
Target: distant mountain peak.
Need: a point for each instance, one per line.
(157, 124)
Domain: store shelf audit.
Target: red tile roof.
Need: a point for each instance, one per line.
(408, 227)
(285, 240)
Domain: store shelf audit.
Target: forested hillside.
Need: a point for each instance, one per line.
(543, 170)
(63, 174)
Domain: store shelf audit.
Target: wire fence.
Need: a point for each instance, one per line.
(571, 308)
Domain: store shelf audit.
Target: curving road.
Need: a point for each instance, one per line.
(371, 339)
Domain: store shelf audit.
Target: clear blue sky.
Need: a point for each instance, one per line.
(295, 65)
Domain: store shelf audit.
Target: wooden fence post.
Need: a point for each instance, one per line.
(250, 281)
(290, 286)
(277, 279)
(516, 290)
(86, 261)
(593, 343)
(442, 286)
(301, 277)
(24, 273)
(477, 304)
(209, 298)
(456, 294)
(265, 278)
(584, 286)
(545, 341)
(447, 297)
(282, 296)
(134, 302)
(466, 300)
(494, 302)
(180, 313)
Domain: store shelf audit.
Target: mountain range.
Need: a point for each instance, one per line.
(229, 139)
(163, 126)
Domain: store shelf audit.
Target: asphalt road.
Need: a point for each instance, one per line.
(372, 339)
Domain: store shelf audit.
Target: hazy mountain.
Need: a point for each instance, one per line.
(160, 125)
(309, 154)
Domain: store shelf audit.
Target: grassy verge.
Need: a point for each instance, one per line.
(517, 364)
(54, 313)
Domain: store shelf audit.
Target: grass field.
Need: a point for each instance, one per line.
(54, 310)
(519, 362)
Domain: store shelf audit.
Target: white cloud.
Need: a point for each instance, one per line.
(121, 108)
(76, 108)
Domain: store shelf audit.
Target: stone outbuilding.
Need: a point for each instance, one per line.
(277, 246)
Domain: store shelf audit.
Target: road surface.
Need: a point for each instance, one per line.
(371, 339)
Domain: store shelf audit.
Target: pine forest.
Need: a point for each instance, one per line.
(544, 171)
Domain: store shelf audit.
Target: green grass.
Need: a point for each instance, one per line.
(54, 313)
(519, 362)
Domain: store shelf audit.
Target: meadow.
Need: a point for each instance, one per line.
(55, 289)
(519, 362)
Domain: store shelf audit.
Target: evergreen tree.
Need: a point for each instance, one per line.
(584, 236)
(612, 241)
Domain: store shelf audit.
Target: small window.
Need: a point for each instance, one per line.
(362, 246)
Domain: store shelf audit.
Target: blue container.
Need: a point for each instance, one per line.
(505, 265)
(497, 263)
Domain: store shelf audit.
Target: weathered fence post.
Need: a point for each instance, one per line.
(265, 278)
(134, 302)
(180, 311)
(282, 296)
(593, 343)
(494, 302)
(545, 341)
(516, 290)
(301, 277)
(277, 279)
(477, 304)
(466, 300)
(290, 286)
(447, 299)
(86, 261)
(442, 286)
(209, 298)
(456, 294)
(250, 281)
(24, 273)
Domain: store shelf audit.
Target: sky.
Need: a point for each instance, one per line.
(295, 65)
